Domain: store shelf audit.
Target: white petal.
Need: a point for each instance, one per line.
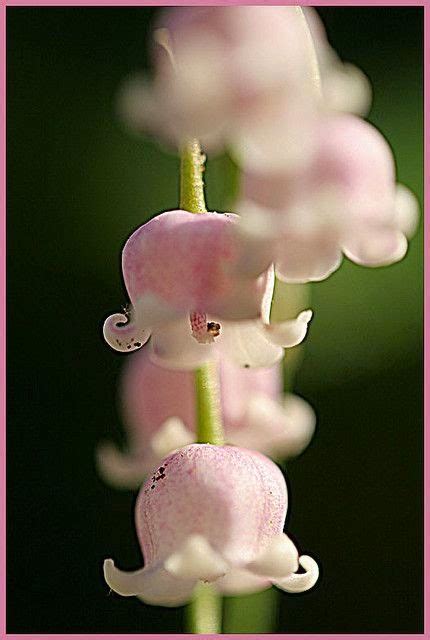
(290, 332)
(247, 344)
(153, 585)
(377, 247)
(407, 210)
(301, 421)
(298, 582)
(174, 347)
(275, 429)
(280, 558)
(197, 560)
(123, 334)
(119, 469)
(240, 581)
(171, 435)
(309, 261)
(346, 88)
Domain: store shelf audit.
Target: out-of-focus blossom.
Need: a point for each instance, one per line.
(344, 86)
(187, 293)
(159, 412)
(232, 76)
(345, 202)
(212, 514)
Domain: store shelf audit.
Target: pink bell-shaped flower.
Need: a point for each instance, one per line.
(345, 202)
(230, 72)
(189, 293)
(212, 514)
(158, 406)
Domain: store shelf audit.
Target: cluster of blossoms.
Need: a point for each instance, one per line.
(317, 183)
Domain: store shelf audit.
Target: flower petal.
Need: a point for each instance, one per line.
(152, 584)
(298, 582)
(407, 210)
(122, 470)
(173, 346)
(309, 259)
(376, 248)
(123, 334)
(196, 560)
(275, 429)
(279, 558)
(238, 582)
(171, 435)
(247, 344)
(289, 333)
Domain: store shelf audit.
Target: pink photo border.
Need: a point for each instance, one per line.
(17, 3)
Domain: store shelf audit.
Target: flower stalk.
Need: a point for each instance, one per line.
(192, 197)
(204, 613)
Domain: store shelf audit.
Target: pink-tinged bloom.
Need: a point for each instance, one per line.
(187, 293)
(345, 202)
(159, 410)
(232, 72)
(344, 86)
(213, 514)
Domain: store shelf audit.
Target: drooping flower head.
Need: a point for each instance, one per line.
(346, 201)
(212, 514)
(228, 75)
(158, 406)
(188, 294)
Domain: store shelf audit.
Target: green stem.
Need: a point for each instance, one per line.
(192, 196)
(209, 422)
(204, 613)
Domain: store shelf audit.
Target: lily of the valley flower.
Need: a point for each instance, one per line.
(187, 293)
(345, 202)
(212, 514)
(159, 411)
(232, 73)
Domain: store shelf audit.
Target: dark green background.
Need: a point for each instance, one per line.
(77, 185)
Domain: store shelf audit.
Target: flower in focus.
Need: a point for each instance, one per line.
(159, 411)
(212, 514)
(346, 201)
(344, 86)
(227, 75)
(188, 294)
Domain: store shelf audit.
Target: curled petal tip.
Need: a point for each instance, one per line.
(122, 334)
(299, 582)
(290, 332)
(280, 558)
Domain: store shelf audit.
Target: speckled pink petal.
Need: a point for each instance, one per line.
(205, 513)
(187, 260)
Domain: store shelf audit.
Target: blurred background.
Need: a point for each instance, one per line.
(77, 185)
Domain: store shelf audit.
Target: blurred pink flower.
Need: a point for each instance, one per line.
(159, 412)
(346, 201)
(181, 271)
(212, 514)
(344, 86)
(231, 74)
